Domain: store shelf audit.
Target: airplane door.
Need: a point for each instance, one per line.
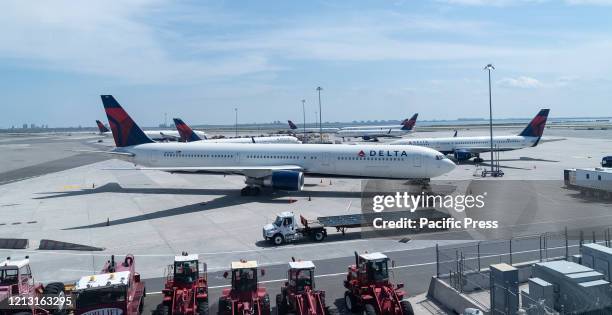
(153, 157)
(417, 160)
(328, 163)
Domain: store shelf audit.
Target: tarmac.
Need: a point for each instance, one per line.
(49, 191)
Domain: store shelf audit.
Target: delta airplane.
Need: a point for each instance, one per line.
(155, 135)
(297, 129)
(375, 132)
(188, 135)
(464, 148)
(277, 166)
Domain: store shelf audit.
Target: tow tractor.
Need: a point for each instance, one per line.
(186, 288)
(116, 290)
(285, 229)
(369, 289)
(245, 296)
(299, 296)
(17, 284)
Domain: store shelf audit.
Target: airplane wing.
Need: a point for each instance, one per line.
(126, 154)
(249, 171)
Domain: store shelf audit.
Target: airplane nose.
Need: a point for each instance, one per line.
(449, 165)
(444, 166)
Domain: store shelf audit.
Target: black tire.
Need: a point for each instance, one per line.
(163, 309)
(369, 309)
(351, 302)
(203, 307)
(331, 310)
(55, 289)
(265, 305)
(222, 306)
(278, 239)
(281, 306)
(406, 307)
(318, 236)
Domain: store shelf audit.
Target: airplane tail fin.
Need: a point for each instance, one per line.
(101, 127)
(186, 133)
(535, 128)
(408, 124)
(292, 125)
(125, 131)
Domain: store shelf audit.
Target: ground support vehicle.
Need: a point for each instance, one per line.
(299, 296)
(245, 295)
(369, 289)
(116, 290)
(20, 294)
(285, 229)
(186, 287)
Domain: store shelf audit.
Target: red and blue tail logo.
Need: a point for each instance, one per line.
(536, 126)
(101, 127)
(186, 133)
(408, 124)
(292, 125)
(125, 131)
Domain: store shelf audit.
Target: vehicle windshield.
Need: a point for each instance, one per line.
(244, 280)
(8, 275)
(185, 271)
(302, 278)
(97, 296)
(278, 222)
(377, 270)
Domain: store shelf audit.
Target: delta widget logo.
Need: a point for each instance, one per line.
(361, 153)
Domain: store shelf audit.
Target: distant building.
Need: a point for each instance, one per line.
(24, 126)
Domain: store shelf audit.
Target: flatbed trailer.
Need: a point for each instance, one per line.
(285, 229)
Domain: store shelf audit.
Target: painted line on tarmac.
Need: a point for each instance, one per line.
(266, 249)
(393, 268)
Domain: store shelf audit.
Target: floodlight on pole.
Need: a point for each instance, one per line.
(304, 123)
(490, 67)
(319, 89)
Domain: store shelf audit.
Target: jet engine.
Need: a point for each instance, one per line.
(285, 180)
(462, 155)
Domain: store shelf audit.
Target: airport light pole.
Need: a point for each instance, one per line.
(490, 67)
(236, 110)
(319, 89)
(304, 124)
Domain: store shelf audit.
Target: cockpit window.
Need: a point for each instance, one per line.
(440, 157)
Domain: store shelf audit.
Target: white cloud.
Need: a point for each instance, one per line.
(589, 2)
(520, 82)
(108, 38)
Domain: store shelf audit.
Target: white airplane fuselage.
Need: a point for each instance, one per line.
(363, 161)
(269, 140)
(474, 145)
(374, 132)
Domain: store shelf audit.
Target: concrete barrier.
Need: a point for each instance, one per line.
(13, 243)
(58, 245)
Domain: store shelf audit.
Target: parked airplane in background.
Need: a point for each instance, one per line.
(297, 129)
(375, 132)
(278, 166)
(188, 135)
(102, 128)
(155, 135)
(464, 148)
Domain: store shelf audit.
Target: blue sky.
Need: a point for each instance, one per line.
(375, 59)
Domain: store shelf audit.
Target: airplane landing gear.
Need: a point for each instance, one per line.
(250, 191)
(478, 159)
